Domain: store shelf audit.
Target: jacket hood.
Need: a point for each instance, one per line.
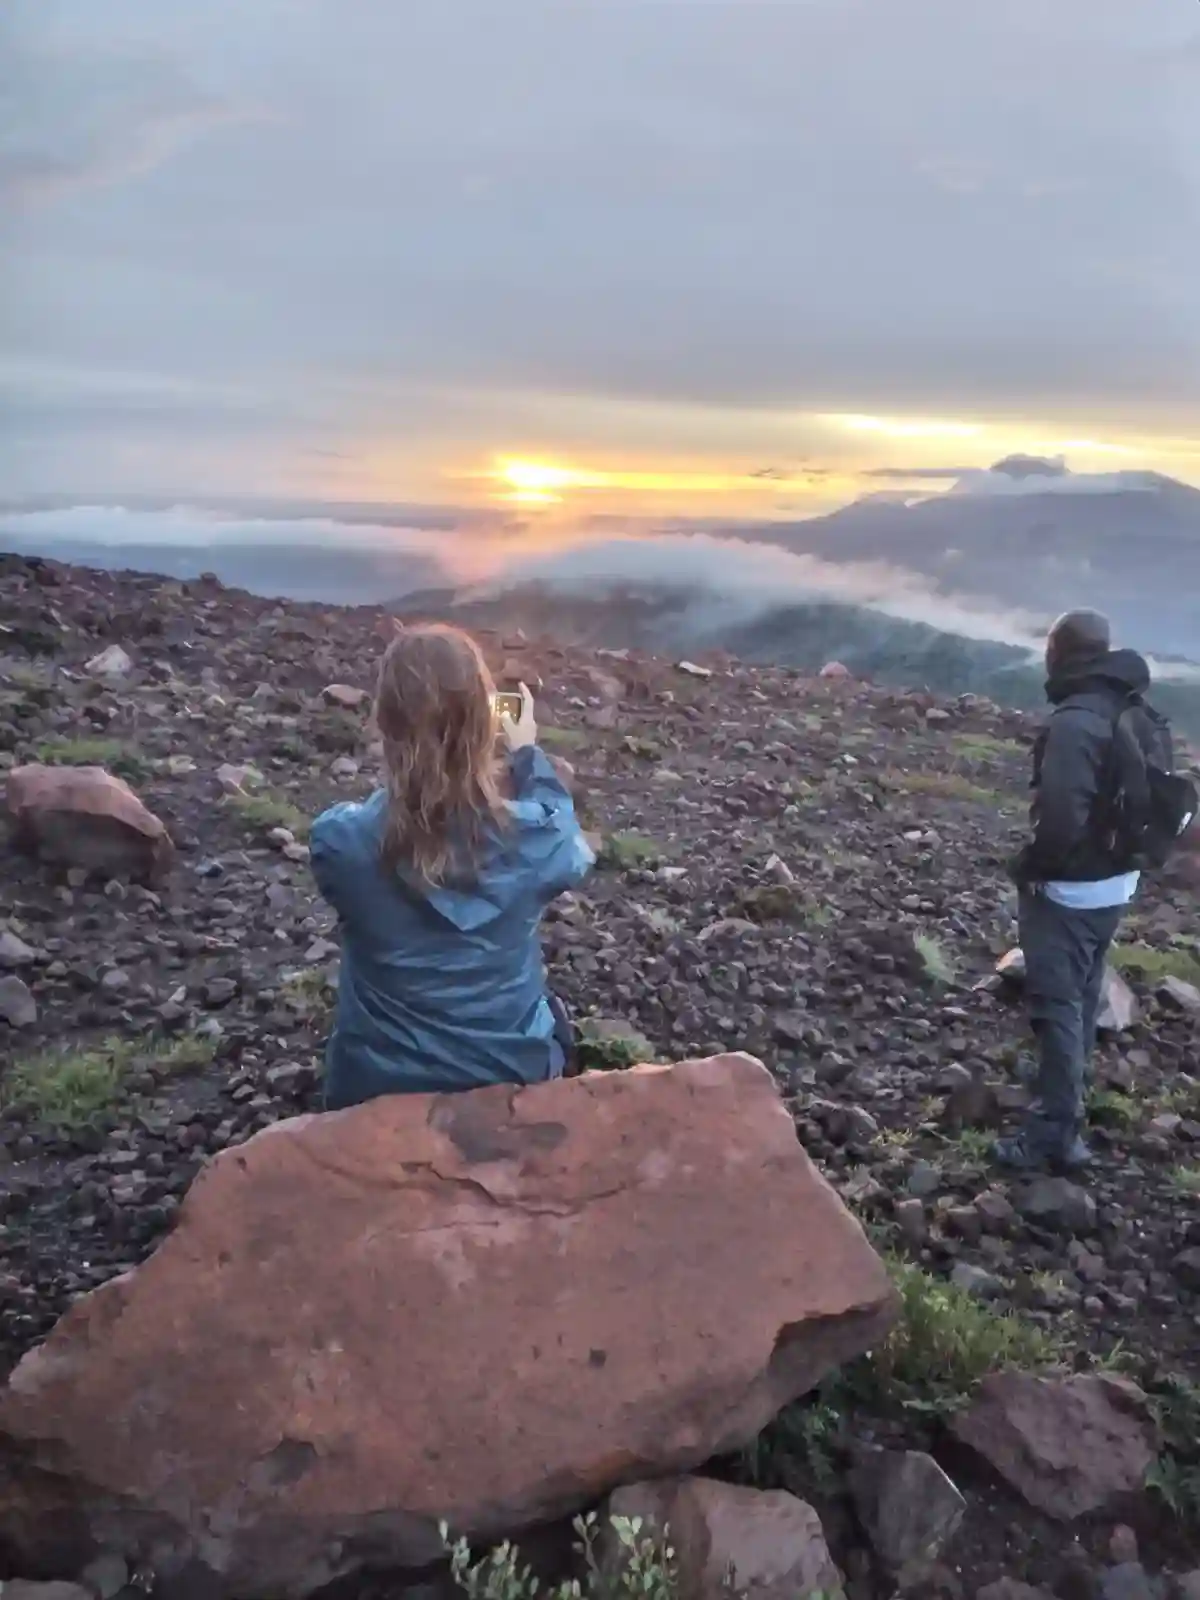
(353, 833)
(1124, 671)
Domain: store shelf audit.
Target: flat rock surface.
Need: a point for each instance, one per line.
(489, 1307)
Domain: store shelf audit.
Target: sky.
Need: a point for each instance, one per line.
(666, 257)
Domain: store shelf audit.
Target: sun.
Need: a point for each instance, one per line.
(541, 482)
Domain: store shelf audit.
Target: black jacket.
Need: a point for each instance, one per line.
(1074, 771)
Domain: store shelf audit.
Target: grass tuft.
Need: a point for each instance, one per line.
(1175, 1476)
(68, 1089)
(935, 960)
(262, 812)
(605, 1046)
(984, 747)
(946, 1342)
(802, 1446)
(1154, 965)
(626, 850)
(188, 1053)
(72, 1089)
(973, 1147)
(1112, 1108)
(121, 759)
(945, 786)
(311, 992)
(561, 738)
(627, 1560)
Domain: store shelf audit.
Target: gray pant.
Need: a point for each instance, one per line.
(1065, 955)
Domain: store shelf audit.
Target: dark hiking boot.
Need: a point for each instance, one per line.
(1016, 1155)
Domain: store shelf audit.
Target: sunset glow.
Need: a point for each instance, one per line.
(526, 482)
(580, 460)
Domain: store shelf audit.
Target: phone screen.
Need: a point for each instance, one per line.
(507, 704)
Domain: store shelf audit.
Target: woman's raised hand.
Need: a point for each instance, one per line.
(520, 732)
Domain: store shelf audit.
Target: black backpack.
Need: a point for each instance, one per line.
(1152, 805)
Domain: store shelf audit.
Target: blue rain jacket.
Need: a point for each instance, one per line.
(442, 988)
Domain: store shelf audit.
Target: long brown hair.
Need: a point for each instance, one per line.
(433, 709)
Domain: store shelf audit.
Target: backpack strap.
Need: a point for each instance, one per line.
(1127, 787)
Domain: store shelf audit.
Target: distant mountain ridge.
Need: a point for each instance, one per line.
(881, 648)
(1025, 535)
(1029, 533)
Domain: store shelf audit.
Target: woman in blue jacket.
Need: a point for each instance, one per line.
(439, 881)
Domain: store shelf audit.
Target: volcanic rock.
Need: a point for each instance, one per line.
(908, 1507)
(17, 1005)
(84, 817)
(490, 1307)
(732, 1540)
(1181, 994)
(1071, 1446)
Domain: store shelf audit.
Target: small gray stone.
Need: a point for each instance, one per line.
(924, 1179)
(911, 1220)
(908, 1507)
(996, 1211)
(106, 1576)
(1130, 1581)
(861, 1126)
(1184, 996)
(17, 1006)
(975, 1281)
(14, 952)
(1058, 1203)
(1122, 1545)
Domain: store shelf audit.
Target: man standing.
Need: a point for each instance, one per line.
(1078, 872)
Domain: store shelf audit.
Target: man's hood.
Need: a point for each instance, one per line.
(1124, 671)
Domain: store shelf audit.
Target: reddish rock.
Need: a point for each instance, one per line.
(1071, 1446)
(490, 1308)
(732, 1540)
(834, 669)
(84, 817)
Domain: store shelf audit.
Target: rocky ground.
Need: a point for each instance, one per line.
(810, 870)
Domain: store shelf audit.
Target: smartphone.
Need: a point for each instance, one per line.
(508, 704)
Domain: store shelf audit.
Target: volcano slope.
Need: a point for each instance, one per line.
(810, 870)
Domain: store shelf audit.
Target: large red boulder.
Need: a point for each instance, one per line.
(489, 1308)
(84, 817)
